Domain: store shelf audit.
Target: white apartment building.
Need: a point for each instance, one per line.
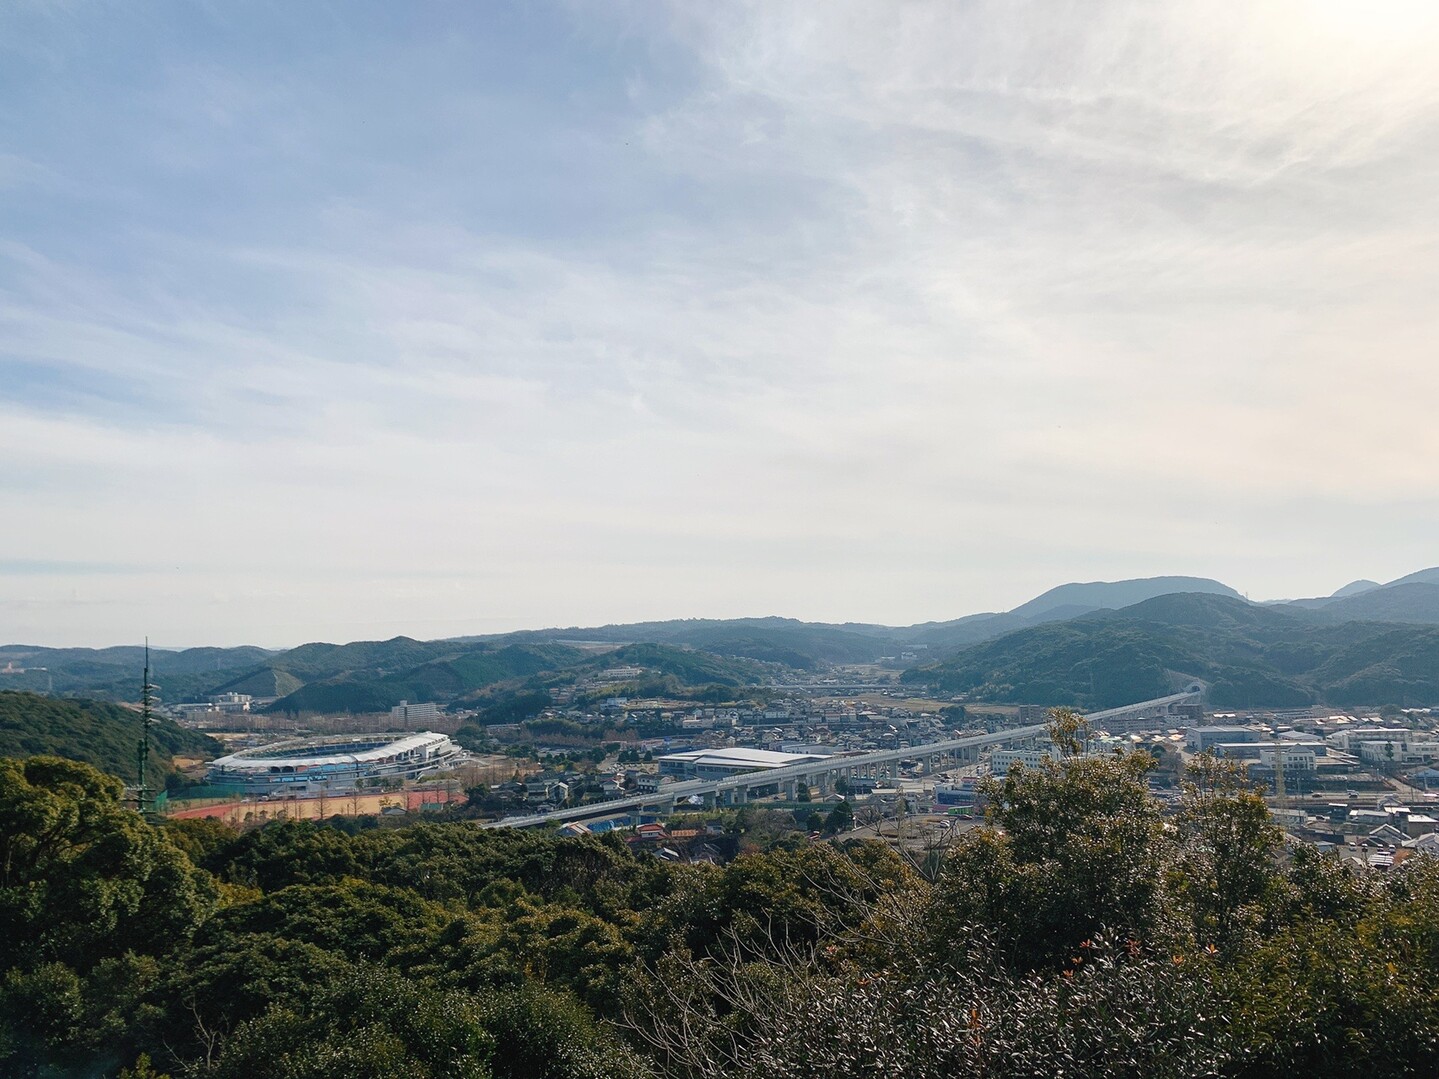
(1399, 751)
(407, 713)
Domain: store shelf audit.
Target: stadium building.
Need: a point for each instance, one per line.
(309, 766)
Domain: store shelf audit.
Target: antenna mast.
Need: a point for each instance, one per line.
(142, 751)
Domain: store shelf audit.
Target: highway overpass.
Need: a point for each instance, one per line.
(736, 789)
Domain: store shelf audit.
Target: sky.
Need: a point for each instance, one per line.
(343, 320)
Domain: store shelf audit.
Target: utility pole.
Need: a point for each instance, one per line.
(142, 751)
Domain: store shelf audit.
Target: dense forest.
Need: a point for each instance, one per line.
(1081, 932)
(104, 735)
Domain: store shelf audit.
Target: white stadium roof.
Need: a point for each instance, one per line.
(300, 754)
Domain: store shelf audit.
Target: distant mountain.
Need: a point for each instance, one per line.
(661, 671)
(810, 645)
(370, 676)
(114, 673)
(95, 732)
(673, 671)
(1209, 613)
(803, 645)
(445, 671)
(373, 676)
(1413, 602)
(1423, 576)
(267, 682)
(132, 658)
(1073, 599)
(322, 660)
(1413, 598)
(947, 636)
(1056, 605)
(1354, 588)
(1251, 656)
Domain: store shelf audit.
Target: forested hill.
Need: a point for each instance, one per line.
(100, 734)
(803, 645)
(375, 676)
(1036, 651)
(114, 674)
(1251, 656)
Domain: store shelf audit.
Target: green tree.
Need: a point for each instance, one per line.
(840, 819)
(373, 1024)
(517, 939)
(83, 878)
(1069, 731)
(1080, 849)
(42, 1013)
(377, 1024)
(229, 979)
(1227, 873)
(541, 1034)
(356, 920)
(285, 853)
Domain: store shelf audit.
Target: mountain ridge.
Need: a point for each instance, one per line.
(1250, 655)
(374, 675)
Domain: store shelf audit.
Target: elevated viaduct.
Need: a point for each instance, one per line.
(936, 756)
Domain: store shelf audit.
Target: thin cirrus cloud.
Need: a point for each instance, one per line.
(328, 323)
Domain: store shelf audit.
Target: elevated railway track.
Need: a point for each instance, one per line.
(737, 789)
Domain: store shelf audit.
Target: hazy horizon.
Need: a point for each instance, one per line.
(599, 623)
(343, 323)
